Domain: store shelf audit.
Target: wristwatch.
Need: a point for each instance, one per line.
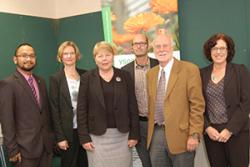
(195, 136)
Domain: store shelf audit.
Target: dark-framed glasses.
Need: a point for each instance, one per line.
(142, 44)
(221, 49)
(26, 56)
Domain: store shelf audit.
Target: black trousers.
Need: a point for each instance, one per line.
(44, 161)
(233, 153)
(75, 155)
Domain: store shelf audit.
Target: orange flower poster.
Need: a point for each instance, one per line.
(124, 18)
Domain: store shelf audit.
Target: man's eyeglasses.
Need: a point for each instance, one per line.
(26, 56)
(142, 44)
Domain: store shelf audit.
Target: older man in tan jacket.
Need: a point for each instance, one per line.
(176, 107)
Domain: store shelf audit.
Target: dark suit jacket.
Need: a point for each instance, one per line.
(61, 106)
(91, 114)
(236, 93)
(26, 127)
(130, 67)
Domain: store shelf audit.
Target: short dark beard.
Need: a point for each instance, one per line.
(27, 69)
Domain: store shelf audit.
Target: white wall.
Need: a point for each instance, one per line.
(50, 8)
(41, 8)
(65, 8)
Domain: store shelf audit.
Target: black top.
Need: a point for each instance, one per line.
(91, 108)
(108, 94)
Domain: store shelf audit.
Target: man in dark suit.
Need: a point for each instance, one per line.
(25, 115)
(138, 69)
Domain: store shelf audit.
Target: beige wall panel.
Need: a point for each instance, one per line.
(50, 8)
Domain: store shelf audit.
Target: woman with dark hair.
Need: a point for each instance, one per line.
(227, 93)
(64, 86)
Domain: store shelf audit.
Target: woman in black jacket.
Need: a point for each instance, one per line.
(227, 93)
(107, 112)
(64, 86)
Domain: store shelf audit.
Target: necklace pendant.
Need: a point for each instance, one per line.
(213, 78)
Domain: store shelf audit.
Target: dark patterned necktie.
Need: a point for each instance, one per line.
(31, 83)
(159, 106)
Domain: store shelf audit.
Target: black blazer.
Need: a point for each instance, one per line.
(27, 128)
(91, 114)
(236, 93)
(61, 106)
(130, 67)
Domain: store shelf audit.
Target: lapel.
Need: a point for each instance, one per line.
(118, 79)
(64, 87)
(23, 82)
(41, 93)
(228, 75)
(131, 69)
(154, 81)
(206, 76)
(173, 77)
(97, 87)
(153, 62)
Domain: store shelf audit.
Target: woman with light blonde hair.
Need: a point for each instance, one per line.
(64, 86)
(107, 112)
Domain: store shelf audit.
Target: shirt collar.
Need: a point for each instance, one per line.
(169, 65)
(137, 66)
(26, 76)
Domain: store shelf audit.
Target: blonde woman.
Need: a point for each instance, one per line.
(64, 86)
(107, 112)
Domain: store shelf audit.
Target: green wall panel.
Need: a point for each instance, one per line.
(85, 30)
(199, 19)
(46, 35)
(15, 29)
